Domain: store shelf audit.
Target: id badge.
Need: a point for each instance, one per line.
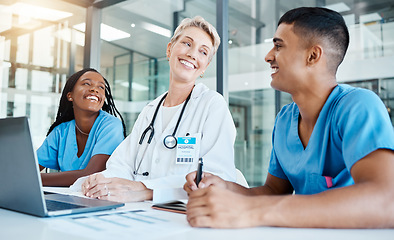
(186, 150)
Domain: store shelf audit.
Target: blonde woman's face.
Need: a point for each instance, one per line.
(189, 55)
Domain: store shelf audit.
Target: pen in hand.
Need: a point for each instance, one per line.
(199, 171)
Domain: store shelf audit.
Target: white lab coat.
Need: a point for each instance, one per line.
(206, 115)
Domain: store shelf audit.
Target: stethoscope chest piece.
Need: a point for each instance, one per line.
(170, 142)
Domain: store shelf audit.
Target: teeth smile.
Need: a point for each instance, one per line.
(274, 70)
(92, 98)
(187, 64)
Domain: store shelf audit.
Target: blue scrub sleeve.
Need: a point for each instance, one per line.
(274, 167)
(47, 154)
(109, 137)
(364, 125)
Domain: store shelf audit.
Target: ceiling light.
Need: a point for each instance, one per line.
(139, 87)
(372, 17)
(339, 7)
(28, 10)
(107, 33)
(132, 25)
(29, 24)
(134, 85)
(157, 29)
(65, 34)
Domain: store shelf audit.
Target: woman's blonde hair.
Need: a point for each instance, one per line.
(201, 23)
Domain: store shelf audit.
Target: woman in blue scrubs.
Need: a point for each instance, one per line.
(85, 133)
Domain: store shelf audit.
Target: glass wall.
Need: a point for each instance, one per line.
(252, 24)
(139, 59)
(38, 52)
(38, 47)
(368, 64)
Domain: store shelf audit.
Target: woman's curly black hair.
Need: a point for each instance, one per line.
(65, 112)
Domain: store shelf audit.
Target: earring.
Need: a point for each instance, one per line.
(168, 59)
(202, 75)
(70, 99)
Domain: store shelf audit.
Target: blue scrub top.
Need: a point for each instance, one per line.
(352, 123)
(59, 150)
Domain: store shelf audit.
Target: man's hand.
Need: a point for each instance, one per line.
(206, 181)
(217, 207)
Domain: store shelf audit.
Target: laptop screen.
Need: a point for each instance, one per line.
(19, 171)
(19, 168)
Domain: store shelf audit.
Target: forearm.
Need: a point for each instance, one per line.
(357, 206)
(256, 191)
(62, 179)
(273, 186)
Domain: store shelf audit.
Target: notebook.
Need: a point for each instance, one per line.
(21, 188)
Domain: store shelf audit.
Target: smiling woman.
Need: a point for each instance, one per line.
(84, 134)
(188, 116)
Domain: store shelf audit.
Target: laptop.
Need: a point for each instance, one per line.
(21, 188)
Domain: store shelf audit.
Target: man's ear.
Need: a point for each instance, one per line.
(314, 55)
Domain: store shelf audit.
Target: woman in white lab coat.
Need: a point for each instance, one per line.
(198, 117)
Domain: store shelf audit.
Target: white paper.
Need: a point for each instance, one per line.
(169, 194)
(126, 224)
(76, 187)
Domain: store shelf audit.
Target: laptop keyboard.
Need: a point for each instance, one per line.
(56, 205)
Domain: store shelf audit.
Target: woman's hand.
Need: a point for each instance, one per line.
(115, 189)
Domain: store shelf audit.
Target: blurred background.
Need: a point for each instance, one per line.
(42, 42)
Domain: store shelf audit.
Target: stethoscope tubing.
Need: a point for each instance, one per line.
(152, 129)
(150, 126)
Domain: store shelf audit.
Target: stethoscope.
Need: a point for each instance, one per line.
(169, 141)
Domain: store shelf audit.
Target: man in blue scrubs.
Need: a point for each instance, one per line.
(333, 146)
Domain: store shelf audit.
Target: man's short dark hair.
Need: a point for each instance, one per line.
(320, 25)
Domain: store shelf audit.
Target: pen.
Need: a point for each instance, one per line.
(199, 171)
